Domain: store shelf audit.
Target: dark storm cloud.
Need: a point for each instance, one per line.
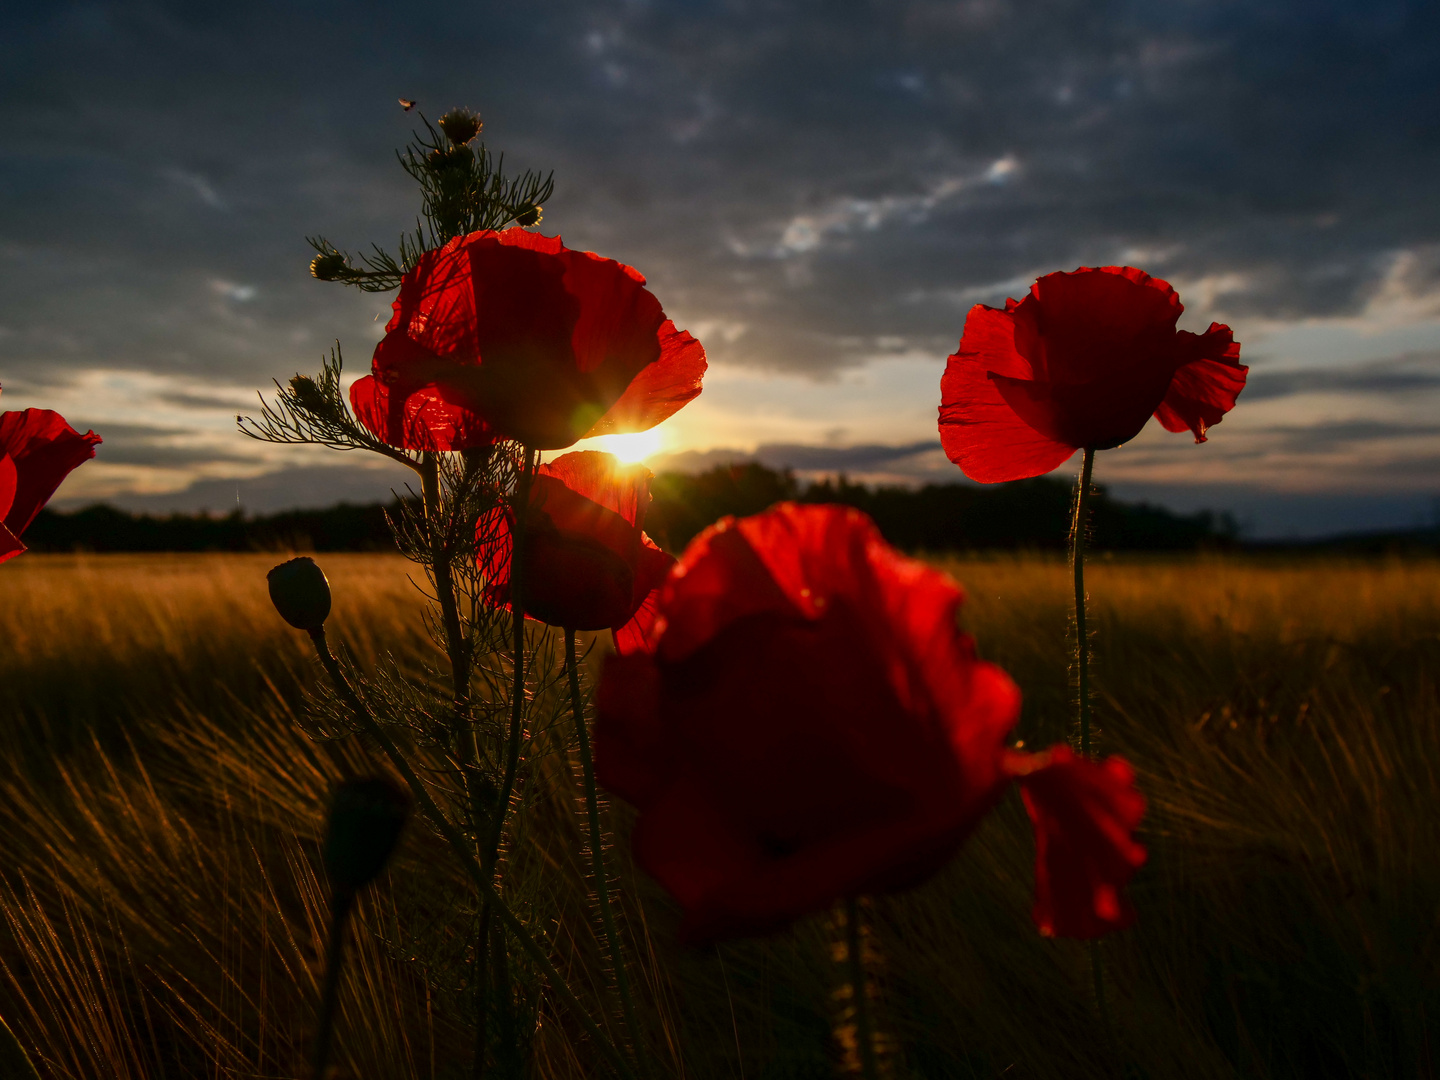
(814, 182)
(142, 444)
(1401, 375)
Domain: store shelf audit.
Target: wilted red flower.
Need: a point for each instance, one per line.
(1082, 362)
(512, 335)
(812, 724)
(37, 451)
(588, 563)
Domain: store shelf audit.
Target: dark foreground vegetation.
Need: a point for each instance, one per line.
(163, 909)
(1025, 515)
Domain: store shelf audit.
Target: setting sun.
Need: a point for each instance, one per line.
(636, 446)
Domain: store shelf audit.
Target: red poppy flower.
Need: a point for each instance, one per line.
(1082, 362)
(588, 563)
(812, 724)
(37, 451)
(512, 335)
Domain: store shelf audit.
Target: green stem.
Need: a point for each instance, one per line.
(456, 647)
(859, 992)
(597, 856)
(1078, 528)
(467, 858)
(13, 1059)
(340, 905)
(517, 606)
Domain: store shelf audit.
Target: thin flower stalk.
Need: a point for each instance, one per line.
(1079, 534)
(511, 922)
(597, 857)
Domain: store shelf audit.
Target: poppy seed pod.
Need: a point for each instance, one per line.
(366, 818)
(300, 593)
(460, 125)
(327, 267)
(455, 157)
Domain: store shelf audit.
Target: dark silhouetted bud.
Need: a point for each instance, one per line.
(329, 267)
(452, 157)
(460, 125)
(531, 215)
(311, 398)
(366, 818)
(300, 593)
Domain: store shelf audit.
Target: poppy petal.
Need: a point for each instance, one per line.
(660, 390)
(642, 631)
(10, 544)
(1084, 814)
(1207, 383)
(424, 418)
(688, 844)
(44, 449)
(602, 479)
(982, 434)
(631, 756)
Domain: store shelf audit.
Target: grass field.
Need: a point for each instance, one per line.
(160, 804)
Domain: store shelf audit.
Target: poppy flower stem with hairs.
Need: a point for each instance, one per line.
(860, 991)
(597, 858)
(466, 855)
(1079, 529)
(517, 697)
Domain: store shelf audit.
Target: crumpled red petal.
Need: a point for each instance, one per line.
(660, 390)
(513, 334)
(590, 565)
(43, 449)
(1206, 384)
(981, 433)
(1084, 814)
(642, 631)
(632, 753)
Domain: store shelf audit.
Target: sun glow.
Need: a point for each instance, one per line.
(636, 446)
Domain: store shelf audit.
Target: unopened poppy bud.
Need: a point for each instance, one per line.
(366, 818)
(328, 267)
(454, 157)
(309, 395)
(300, 593)
(460, 125)
(531, 215)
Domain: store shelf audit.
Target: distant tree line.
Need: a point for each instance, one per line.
(1027, 514)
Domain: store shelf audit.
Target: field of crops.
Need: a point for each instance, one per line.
(161, 800)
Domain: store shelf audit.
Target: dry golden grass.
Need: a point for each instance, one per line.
(160, 807)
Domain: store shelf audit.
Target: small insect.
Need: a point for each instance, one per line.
(406, 104)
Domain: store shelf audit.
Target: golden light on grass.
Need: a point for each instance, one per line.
(161, 805)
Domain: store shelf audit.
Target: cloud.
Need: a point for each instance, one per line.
(822, 185)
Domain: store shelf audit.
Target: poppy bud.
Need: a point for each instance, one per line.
(311, 398)
(328, 267)
(366, 817)
(531, 215)
(460, 125)
(300, 593)
(455, 157)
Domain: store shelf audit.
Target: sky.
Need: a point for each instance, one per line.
(818, 191)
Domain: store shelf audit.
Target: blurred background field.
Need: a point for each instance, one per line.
(160, 803)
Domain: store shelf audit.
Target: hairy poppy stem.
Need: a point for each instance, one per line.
(597, 857)
(456, 647)
(340, 905)
(1078, 529)
(466, 854)
(517, 607)
(859, 991)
